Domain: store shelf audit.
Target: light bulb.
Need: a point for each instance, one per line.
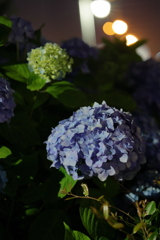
(100, 8)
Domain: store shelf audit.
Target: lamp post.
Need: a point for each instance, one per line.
(87, 22)
(87, 19)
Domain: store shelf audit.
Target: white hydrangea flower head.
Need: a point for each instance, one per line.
(51, 62)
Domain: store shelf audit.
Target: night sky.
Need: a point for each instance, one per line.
(61, 18)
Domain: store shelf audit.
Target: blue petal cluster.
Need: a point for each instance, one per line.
(3, 179)
(75, 47)
(145, 185)
(7, 103)
(97, 141)
(21, 30)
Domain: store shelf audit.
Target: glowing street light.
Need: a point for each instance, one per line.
(119, 27)
(100, 8)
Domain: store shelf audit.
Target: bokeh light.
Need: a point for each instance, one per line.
(119, 27)
(107, 28)
(100, 8)
(130, 39)
(144, 52)
(157, 57)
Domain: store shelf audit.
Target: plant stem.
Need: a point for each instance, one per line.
(96, 200)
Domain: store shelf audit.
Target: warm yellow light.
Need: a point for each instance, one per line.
(130, 39)
(119, 27)
(107, 28)
(100, 8)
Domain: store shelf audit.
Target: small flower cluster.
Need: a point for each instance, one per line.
(7, 103)
(3, 179)
(146, 185)
(21, 30)
(51, 62)
(97, 141)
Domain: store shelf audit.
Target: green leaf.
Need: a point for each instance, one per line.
(153, 236)
(4, 33)
(96, 227)
(19, 72)
(31, 211)
(150, 208)
(47, 226)
(59, 87)
(35, 82)
(137, 227)
(74, 235)
(5, 152)
(118, 225)
(68, 94)
(5, 28)
(5, 21)
(66, 183)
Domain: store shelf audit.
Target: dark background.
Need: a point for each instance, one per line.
(61, 18)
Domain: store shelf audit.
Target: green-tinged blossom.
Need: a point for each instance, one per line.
(51, 62)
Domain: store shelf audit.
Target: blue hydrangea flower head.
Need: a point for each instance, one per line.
(3, 179)
(75, 47)
(21, 30)
(51, 62)
(7, 103)
(97, 141)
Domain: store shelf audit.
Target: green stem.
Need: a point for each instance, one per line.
(31, 112)
(97, 200)
(143, 229)
(122, 212)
